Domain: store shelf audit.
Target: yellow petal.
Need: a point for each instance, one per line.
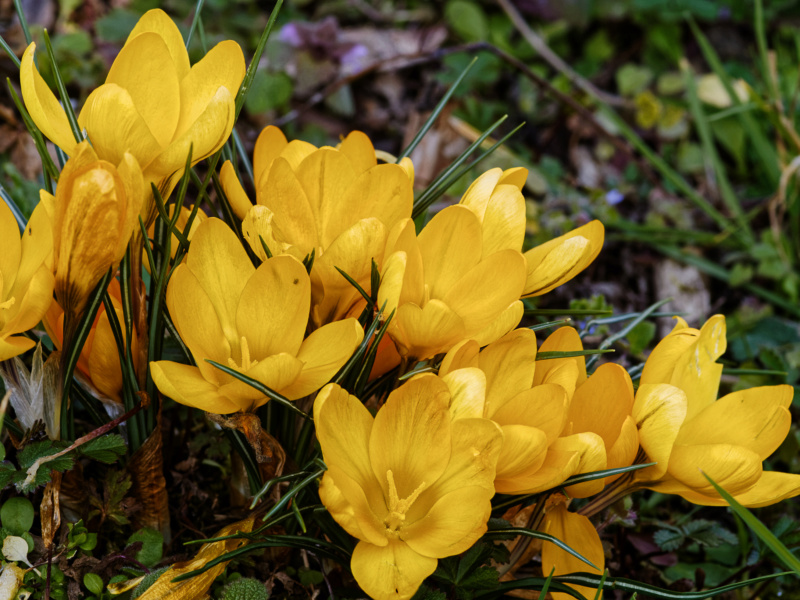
(323, 353)
(516, 176)
(277, 372)
(359, 149)
(115, 126)
(564, 339)
(294, 221)
(487, 290)
(12, 250)
(14, 346)
(504, 220)
(361, 509)
(408, 167)
(509, 367)
(661, 363)
(31, 303)
(145, 69)
(771, 488)
(659, 412)
(467, 393)
(222, 268)
(391, 572)
(104, 367)
(503, 324)
(223, 66)
(42, 105)
(623, 452)
(234, 191)
(450, 245)
(257, 228)
(461, 356)
(603, 403)
(411, 436)
(186, 385)
(524, 451)
(158, 22)
(272, 312)
(577, 532)
(543, 407)
(478, 194)
(269, 145)
(425, 332)
(557, 261)
(734, 468)
(757, 418)
(344, 511)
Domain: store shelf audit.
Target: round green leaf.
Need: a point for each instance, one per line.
(16, 515)
(93, 583)
(152, 546)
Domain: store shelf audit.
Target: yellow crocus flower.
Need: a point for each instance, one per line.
(727, 439)
(496, 199)
(95, 211)
(252, 320)
(337, 202)
(153, 104)
(26, 278)
(411, 484)
(577, 532)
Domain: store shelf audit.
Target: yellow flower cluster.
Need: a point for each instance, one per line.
(269, 303)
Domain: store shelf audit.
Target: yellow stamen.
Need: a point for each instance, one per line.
(247, 362)
(397, 507)
(8, 303)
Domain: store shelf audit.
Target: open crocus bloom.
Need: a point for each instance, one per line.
(26, 278)
(153, 104)
(497, 383)
(444, 289)
(252, 320)
(496, 199)
(338, 203)
(411, 484)
(727, 439)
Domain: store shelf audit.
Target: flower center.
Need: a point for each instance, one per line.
(8, 303)
(247, 362)
(397, 507)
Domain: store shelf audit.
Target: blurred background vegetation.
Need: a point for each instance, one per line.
(675, 122)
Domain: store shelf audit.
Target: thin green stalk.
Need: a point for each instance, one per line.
(4, 45)
(62, 91)
(197, 9)
(241, 95)
(23, 21)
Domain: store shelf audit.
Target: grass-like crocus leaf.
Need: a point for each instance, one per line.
(62, 91)
(570, 353)
(761, 530)
(253, 66)
(537, 535)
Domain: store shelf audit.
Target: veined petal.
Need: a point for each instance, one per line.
(277, 372)
(516, 176)
(146, 70)
(12, 251)
(524, 451)
(559, 260)
(450, 245)
(14, 346)
(461, 356)
(411, 436)
(391, 572)
(593, 457)
(564, 339)
(158, 22)
(504, 220)
(659, 412)
(602, 403)
(360, 511)
(42, 105)
(734, 468)
(771, 488)
(269, 145)
(359, 149)
(31, 303)
(424, 332)
(114, 126)
(757, 418)
(505, 322)
(272, 312)
(222, 269)
(543, 407)
(104, 361)
(323, 353)
(222, 66)
(577, 532)
(234, 191)
(623, 452)
(487, 289)
(662, 360)
(467, 393)
(186, 385)
(294, 221)
(477, 196)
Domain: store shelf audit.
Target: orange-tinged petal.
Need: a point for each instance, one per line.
(424, 332)
(559, 260)
(44, 108)
(115, 126)
(659, 412)
(734, 468)
(524, 451)
(603, 403)
(461, 356)
(186, 385)
(593, 457)
(323, 353)
(391, 572)
(359, 149)
(104, 367)
(577, 532)
(222, 268)
(158, 22)
(145, 69)
(543, 407)
(623, 452)
(411, 436)
(450, 245)
(467, 393)
(273, 307)
(222, 66)
(757, 418)
(234, 191)
(269, 145)
(487, 289)
(383, 192)
(14, 346)
(294, 221)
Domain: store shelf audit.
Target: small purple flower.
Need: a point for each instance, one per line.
(614, 197)
(290, 35)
